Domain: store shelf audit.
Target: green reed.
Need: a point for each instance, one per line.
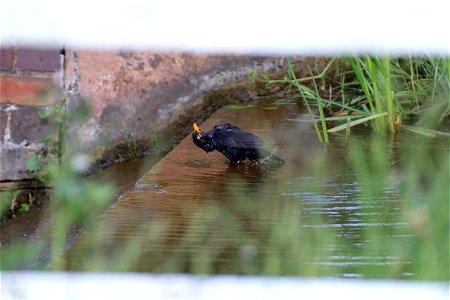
(383, 92)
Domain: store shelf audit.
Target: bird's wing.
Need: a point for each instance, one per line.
(239, 139)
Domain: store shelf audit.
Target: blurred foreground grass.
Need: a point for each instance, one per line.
(405, 238)
(276, 235)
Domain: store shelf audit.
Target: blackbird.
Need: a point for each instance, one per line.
(235, 144)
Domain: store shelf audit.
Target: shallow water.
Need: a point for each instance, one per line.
(193, 212)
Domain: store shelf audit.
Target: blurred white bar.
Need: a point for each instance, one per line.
(54, 285)
(326, 27)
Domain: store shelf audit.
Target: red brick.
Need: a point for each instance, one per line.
(27, 90)
(6, 58)
(47, 60)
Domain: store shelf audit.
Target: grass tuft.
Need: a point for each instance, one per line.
(381, 92)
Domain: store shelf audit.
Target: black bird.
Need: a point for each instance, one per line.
(235, 144)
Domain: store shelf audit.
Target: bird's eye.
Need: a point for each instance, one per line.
(198, 137)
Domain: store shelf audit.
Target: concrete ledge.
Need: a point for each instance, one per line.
(63, 285)
(135, 97)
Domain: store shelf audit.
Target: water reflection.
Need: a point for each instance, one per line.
(320, 214)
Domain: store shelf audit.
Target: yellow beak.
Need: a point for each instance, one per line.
(197, 129)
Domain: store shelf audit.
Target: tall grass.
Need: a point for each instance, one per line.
(385, 93)
(308, 93)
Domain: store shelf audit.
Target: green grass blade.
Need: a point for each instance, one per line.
(386, 63)
(344, 118)
(426, 132)
(356, 122)
(363, 81)
(302, 89)
(320, 106)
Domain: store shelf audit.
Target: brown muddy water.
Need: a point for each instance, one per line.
(194, 212)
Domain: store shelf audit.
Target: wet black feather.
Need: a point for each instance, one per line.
(235, 144)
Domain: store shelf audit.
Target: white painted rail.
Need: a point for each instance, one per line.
(55, 285)
(326, 27)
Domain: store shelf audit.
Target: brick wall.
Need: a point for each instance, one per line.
(30, 76)
(141, 95)
(30, 79)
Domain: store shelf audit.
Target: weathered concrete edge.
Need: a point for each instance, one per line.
(175, 118)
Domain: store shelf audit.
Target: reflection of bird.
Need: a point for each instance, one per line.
(235, 144)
